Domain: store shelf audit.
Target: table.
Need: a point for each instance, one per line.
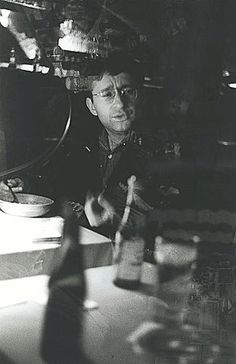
(27, 245)
(105, 329)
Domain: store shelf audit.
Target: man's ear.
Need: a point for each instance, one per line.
(90, 106)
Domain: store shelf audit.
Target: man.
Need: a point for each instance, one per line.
(100, 169)
(114, 100)
(94, 175)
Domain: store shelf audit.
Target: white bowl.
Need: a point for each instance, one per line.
(29, 205)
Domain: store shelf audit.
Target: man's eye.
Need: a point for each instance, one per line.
(108, 94)
(127, 91)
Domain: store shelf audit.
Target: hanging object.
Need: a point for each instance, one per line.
(39, 4)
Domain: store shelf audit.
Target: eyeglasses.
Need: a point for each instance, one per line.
(109, 95)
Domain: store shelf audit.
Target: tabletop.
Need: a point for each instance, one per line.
(106, 328)
(27, 245)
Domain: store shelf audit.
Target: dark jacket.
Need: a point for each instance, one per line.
(77, 170)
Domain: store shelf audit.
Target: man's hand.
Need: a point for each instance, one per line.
(98, 210)
(16, 185)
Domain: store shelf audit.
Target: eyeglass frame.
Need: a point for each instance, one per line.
(117, 91)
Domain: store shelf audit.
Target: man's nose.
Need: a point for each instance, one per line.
(118, 100)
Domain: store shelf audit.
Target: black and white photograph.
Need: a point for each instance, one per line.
(117, 182)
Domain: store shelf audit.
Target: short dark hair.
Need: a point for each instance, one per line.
(115, 64)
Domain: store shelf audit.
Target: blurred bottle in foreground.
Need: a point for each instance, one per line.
(166, 336)
(176, 261)
(63, 321)
(129, 245)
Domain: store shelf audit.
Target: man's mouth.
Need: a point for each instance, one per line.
(120, 117)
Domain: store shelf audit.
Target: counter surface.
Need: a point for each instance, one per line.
(27, 245)
(105, 329)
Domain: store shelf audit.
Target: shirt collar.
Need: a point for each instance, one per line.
(104, 143)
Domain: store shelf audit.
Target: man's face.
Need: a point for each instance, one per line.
(116, 114)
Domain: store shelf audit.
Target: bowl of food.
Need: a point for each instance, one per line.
(28, 205)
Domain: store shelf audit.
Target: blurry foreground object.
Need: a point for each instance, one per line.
(175, 261)
(129, 245)
(195, 257)
(63, 320)
(98, 210)
(167, 337)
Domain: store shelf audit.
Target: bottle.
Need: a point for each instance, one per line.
(129, 246)
(175, 258)
(63, 320)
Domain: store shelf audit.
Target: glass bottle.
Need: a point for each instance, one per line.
(129, 245)
(63, 320)
(176, 261)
